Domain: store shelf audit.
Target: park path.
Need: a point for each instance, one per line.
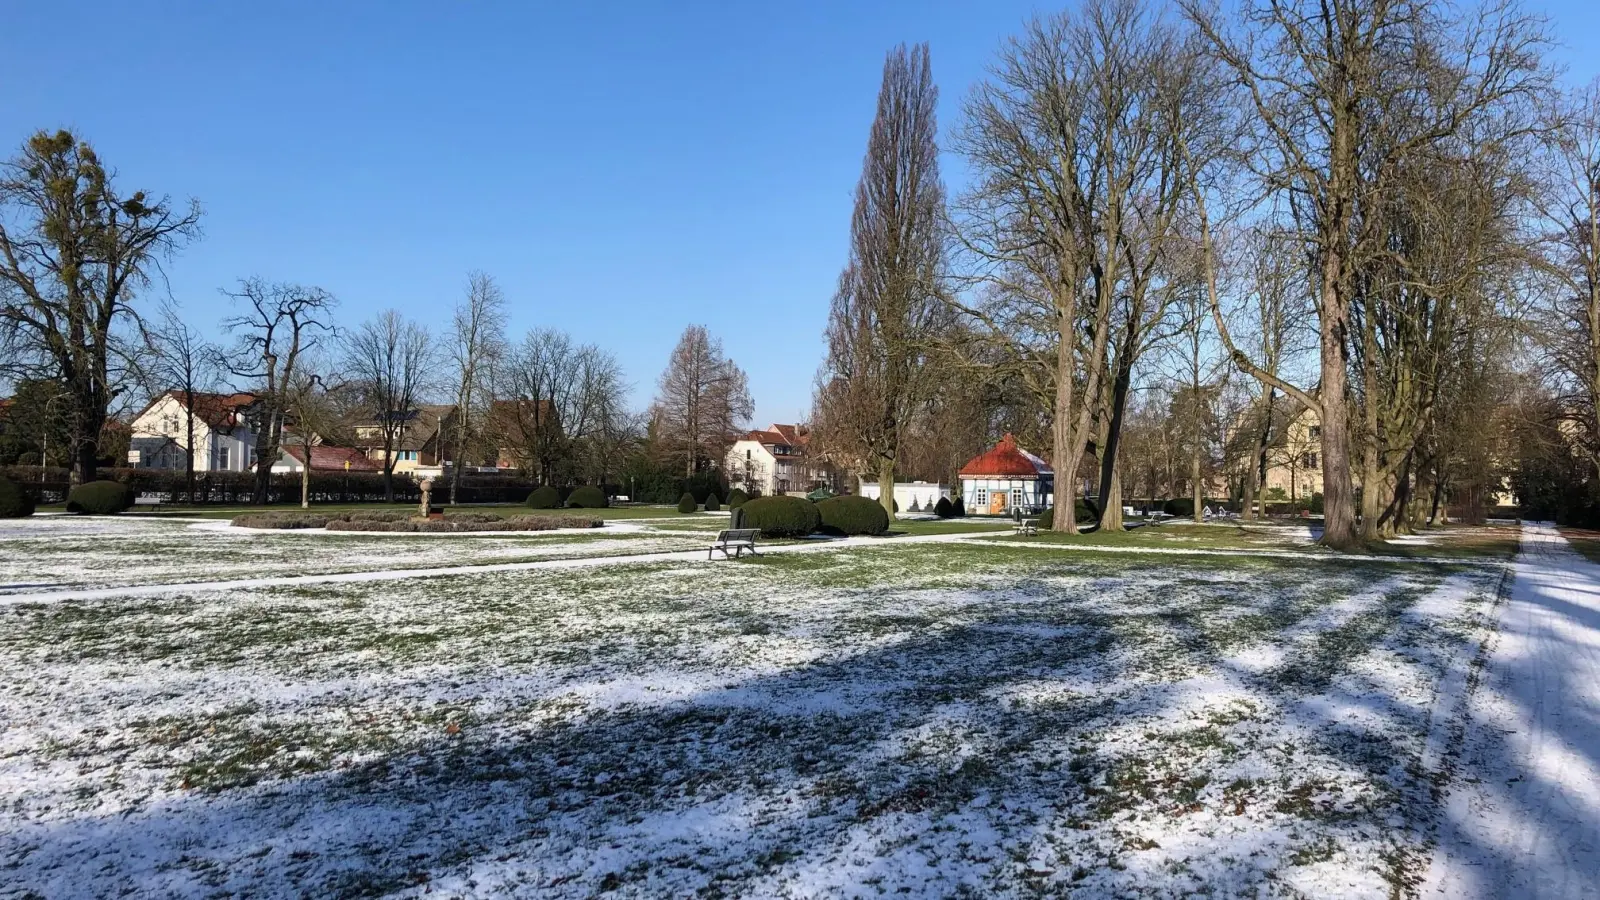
(1523, 815)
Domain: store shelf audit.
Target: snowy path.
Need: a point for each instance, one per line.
(1523, 819)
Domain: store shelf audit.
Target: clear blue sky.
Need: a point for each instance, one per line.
(623, 169)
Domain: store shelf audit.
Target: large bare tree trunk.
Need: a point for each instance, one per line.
(886, 487)
(1338, 502)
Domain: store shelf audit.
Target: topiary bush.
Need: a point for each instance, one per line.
(737, 498)
(958, 509)
(1084, 516)
(1316, 504)
(712, 503)
(686, 503)
(781, 516)
(944, 509)
(587, 497)
(544, 497)
(852, 515)
(1179, 506)
(100, 498)
(14, 501)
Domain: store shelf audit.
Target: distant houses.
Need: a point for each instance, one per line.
(777, 460)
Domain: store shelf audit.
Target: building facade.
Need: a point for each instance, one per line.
(1004, 479)
(776, 461)
(224, 432)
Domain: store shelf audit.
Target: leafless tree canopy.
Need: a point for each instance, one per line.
(477, 346)
(74, 252)
(277, 323)
(390, 361)
(702, 402)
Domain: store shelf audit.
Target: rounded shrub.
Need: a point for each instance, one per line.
(944, 509)
(737, 498)
(587, 497)
(686, 503)
(1080, 511)
(14, 501)
(1179, 506)
(544, 497)
(852, 515)
(1316, 504)
(958, 509)
(781, 516)
(100, 498)
(712, 503)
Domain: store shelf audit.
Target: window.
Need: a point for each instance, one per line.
(1316, 432)
(747, 456)
(1016, 496)
(981, 498)
(1310, 462)
(222, 457)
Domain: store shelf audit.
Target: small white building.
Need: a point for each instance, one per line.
(910, 496)
(224, 440)
(1005, 478)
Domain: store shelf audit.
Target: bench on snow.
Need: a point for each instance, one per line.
(1025, 527)
(148, 500)
(736, 540)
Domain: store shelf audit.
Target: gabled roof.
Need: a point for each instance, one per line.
(419, 425)
(332, 459)
(218, 411)
(796, 436)
(1006, 459)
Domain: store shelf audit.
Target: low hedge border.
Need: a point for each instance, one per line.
(402, 523)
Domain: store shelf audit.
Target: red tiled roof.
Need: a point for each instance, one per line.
(793, 435)
(1006, 459)
(220, 411)
(332, 459)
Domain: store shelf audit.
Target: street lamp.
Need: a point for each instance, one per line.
(44, 441)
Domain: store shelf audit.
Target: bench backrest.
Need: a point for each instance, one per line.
(737, 534)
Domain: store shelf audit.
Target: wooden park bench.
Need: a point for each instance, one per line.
(736, 540)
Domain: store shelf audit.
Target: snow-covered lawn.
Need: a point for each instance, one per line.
(956, 718)
(60, 552)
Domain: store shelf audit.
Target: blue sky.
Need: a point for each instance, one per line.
(623, 169)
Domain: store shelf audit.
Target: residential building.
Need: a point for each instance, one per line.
(224, 432)
(414, 438)
(1006, 478)
(526, 435)
(324, 458)
(776, 461)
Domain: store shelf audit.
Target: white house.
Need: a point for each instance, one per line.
(775, 461)
(910, 496)
(224, 440)
(1004, 478)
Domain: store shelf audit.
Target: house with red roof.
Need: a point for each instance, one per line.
(324, 458)
(224, 433)
(776, 460)
(1006, 478)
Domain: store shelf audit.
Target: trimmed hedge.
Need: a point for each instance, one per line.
(712, 503)
(687, 503)
(1179, 506)
(587, 497)
(404, 523)
(944, 509)
(737, 498)
(14, 501)
(545, 497)
(100, 498)
(781, 516)
(1046, 519)
(852, 515)
(959, 508)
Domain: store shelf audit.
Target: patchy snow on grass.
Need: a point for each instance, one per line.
(58, 552)
(954, 718)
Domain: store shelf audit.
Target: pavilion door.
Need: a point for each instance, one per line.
(997, 503)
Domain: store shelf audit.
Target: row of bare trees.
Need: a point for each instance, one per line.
(1348, 207)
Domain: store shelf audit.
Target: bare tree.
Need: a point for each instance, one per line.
(477, 342)
(389, 360)
(321, 408)
(887, 311)
(1342, 92)
(73, 252)
(182, 360)
(280, 322)
(702, 401)
(1063, 141)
